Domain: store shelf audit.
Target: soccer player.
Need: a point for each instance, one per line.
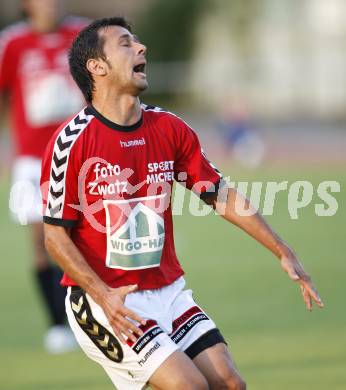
(106, 181)
(35, 80)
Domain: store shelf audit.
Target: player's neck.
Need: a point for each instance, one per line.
(42, 25)
(124, 110)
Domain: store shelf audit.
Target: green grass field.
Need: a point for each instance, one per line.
(276, 343)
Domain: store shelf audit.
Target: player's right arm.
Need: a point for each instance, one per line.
(59, 185)
(62, 249)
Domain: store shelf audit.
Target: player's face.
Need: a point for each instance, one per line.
(125, 57)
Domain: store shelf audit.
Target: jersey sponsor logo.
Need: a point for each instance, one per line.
(135, 232)
(118, 187)
(106, 180)
(160, 171)
(131, 143)
(183, 324)
(160, 177)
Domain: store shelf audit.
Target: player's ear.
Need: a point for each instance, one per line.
(96, 67)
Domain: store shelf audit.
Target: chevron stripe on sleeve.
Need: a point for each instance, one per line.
(59, 164)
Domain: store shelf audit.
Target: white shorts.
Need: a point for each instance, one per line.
(174, 321)
(25, 201)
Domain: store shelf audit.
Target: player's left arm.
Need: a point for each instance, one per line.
(227, 202)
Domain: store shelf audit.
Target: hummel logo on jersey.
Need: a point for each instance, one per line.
(134, 142)
(61, 153)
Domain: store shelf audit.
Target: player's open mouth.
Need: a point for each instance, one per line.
(140, 69)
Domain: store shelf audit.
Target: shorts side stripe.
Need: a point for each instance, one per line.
(184, 317)
(186, 328)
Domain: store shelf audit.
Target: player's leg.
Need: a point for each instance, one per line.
(58, 338)
(25, 205)
(178, 372)
(218, 367)
(48, 278)
(196, 334)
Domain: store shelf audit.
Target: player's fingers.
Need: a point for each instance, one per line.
(125, 322)
(309, 287)
(129, 329)
(130, 336)
(125, 332)
(118, 334)
(306, 282)
(306, 297)
(132, 315)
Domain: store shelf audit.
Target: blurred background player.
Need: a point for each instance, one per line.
(38, 91)
(242, 141)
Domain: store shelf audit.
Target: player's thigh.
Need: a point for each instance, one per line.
(218, 367)
(178, 372)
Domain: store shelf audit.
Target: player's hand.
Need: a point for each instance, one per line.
(296, 272)
(119, 316)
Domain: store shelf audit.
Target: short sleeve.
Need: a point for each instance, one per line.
(7, 62)
(191, 165)
(59, 183)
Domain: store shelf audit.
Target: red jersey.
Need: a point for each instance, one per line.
(112, 185)
(34, 71)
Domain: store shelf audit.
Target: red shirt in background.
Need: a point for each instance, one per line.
(34, 71)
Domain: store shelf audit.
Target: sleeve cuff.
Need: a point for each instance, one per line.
(67, 223)
(213, 190)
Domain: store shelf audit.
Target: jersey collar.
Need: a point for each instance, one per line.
(92, 110)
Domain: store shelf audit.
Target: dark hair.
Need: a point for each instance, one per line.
(88, 44)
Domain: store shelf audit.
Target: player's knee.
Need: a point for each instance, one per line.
(230, 383)
(236, 384)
